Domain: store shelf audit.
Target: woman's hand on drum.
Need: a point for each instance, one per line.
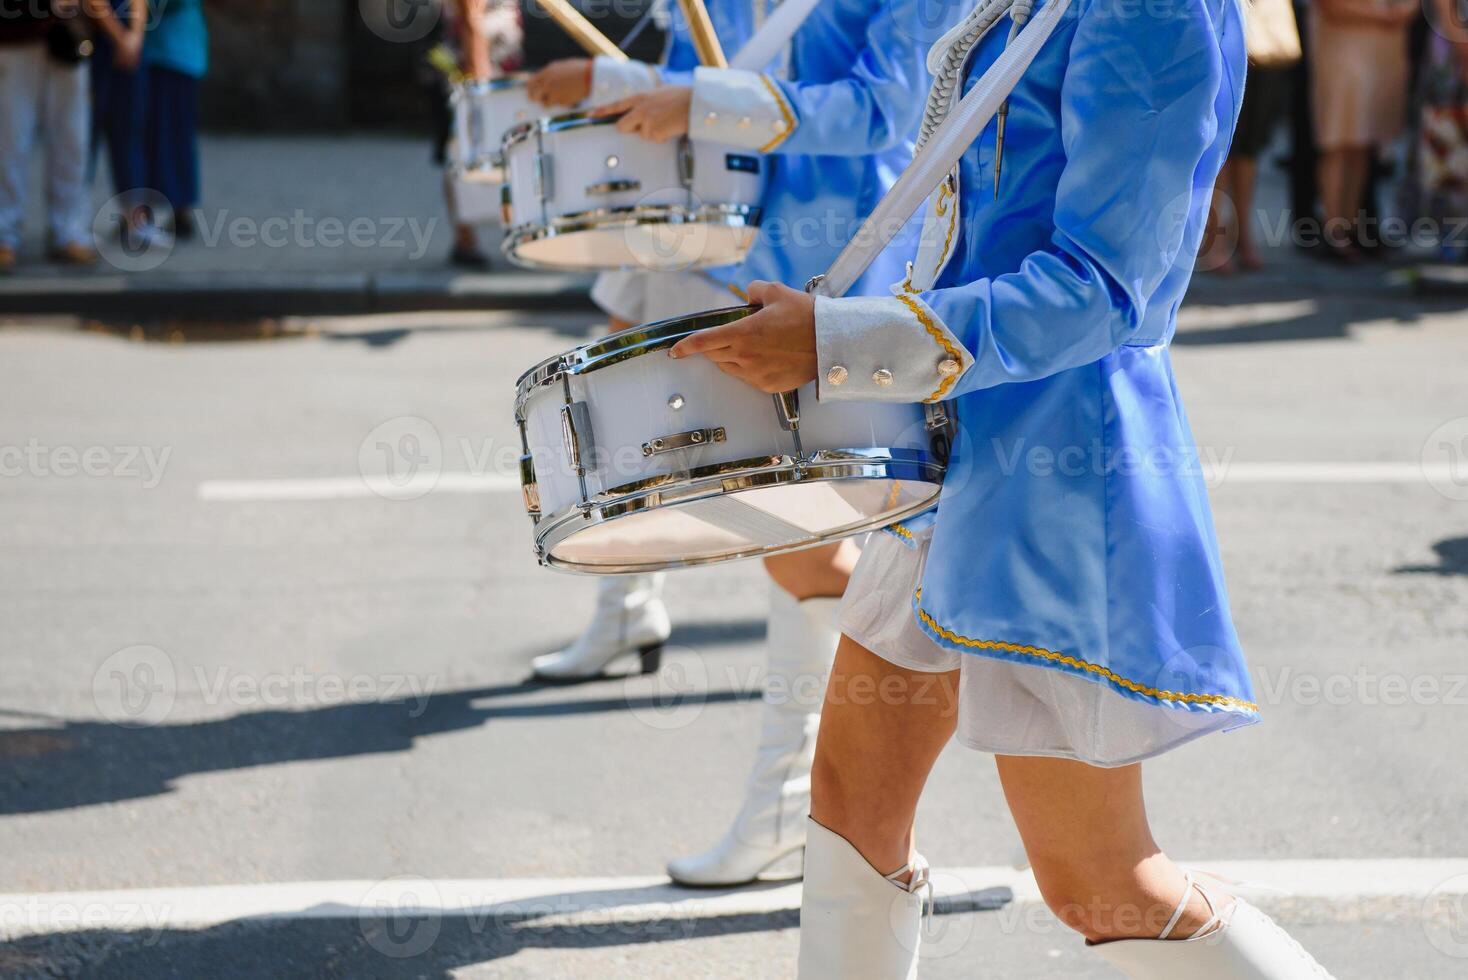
(561, 83)
(773, 350)
(658, 115)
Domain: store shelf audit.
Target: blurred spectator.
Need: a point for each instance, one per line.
(1359, 74)
(480, 38)
(43, 88)
(1436, 187)
(176, 54)
(1274, 51)
(119, 102)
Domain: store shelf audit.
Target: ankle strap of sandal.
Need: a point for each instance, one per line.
(1214, 916)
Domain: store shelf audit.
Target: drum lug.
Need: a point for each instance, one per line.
(529, 487)
(787, 407)
(685, 162)
(576, 428)
(544, 184)
(939, 425)
(506, 215)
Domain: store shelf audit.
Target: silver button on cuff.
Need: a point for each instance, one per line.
(882, 377)
(948, 367)
(837, 375)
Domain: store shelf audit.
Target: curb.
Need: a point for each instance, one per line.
(215, 295)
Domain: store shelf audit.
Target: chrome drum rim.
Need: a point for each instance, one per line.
(826, 467)
(608, 219)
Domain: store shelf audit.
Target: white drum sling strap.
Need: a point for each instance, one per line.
(941, 151)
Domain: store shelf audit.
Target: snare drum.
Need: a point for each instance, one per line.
(635, 462)
(579, 194)
(484, 110)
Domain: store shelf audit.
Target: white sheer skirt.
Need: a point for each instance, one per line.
(1007, 708)
(646, 297)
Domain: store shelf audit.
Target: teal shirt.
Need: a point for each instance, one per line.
(177, 37)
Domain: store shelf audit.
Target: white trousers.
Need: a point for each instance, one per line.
(40, 95)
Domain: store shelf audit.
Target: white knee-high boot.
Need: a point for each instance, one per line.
(855, 922)
(771, 822)
(630, 618)
(1239, 943)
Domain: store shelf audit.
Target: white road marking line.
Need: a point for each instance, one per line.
(651, 898)
(347, 487)
(358, 487)
(1334, 473)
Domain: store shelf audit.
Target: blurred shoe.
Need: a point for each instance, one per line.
(468, 257)
(146, 236)
(183, 225)
(72, 253)
(7, 258)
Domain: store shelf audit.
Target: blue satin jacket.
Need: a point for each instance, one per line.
(1074, 531)
(835, 120)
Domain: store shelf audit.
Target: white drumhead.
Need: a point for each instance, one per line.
(759, 521)
(654, 247)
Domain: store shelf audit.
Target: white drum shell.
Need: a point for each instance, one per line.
(648, 397)
(484, 111)
(617, 200)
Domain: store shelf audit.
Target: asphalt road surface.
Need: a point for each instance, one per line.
(257, 719)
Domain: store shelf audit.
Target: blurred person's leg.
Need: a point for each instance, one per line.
(66, 119)
(466, 251)
(119, 119)
(21, 68)
(1340, 196)
(1244, 177)
(1304, 156)
(173, 148)
(1217, 252)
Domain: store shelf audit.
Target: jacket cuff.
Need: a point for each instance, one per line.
(613, 80)
(739, 108)
(888, 349)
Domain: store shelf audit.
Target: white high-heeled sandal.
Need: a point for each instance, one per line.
(1238, 943)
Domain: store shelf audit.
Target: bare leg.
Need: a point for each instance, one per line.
(1112, 885)
(820, 572)
(881, 731)
(1338, 207)
(1357, 171)
(1245, 174)
(1216, 254)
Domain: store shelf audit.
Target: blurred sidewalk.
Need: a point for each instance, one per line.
(291, 225)
(330, 224)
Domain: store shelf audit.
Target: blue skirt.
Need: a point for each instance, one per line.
(1074, 534)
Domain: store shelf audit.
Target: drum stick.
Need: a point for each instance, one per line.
(574, 23)
(705, 40)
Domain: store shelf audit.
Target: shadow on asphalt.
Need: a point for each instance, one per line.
(70, 763)
(1452, 559)
(421, 945)
(1340, 306)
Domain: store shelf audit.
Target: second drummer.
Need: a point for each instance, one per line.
(832, 124)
